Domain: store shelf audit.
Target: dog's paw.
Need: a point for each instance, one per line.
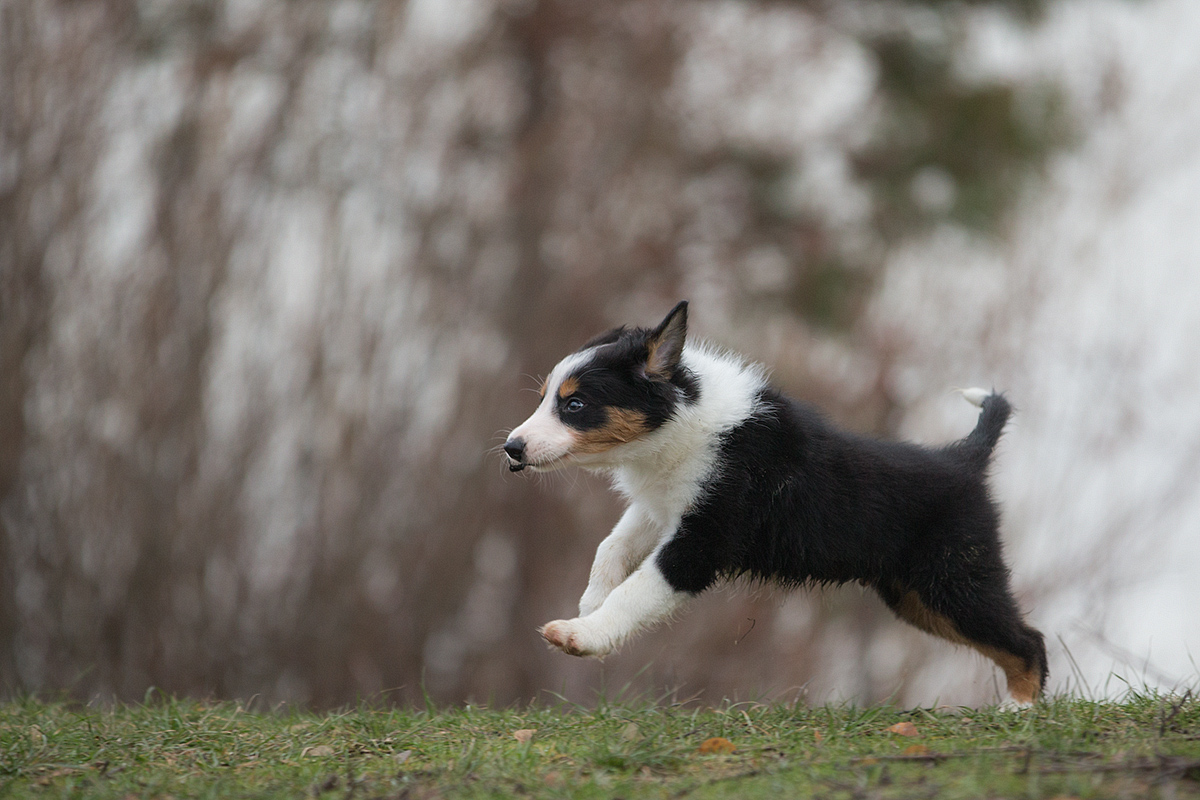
(574, 638)
(1013, 704)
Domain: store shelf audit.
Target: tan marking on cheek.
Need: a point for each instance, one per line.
(623, 426)
(1024, 683)
(542, 388)
(568, 387)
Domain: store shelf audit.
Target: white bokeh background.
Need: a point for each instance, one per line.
(1089, 317)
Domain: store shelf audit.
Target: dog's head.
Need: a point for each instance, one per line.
(616, 389)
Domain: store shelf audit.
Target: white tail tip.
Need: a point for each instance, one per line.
(975, 396)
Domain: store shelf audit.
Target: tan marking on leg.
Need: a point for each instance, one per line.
(1024, 683)
(912, 610)
(622, 426)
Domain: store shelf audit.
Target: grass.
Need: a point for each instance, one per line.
(1147, 745)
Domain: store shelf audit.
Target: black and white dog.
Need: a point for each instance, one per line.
(727, 477)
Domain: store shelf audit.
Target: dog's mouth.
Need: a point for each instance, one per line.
(546, 466)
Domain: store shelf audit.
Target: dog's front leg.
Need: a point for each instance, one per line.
(631, 540)
(644, 599)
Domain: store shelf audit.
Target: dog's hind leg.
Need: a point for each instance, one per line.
(631, 540)
(1018, 649)
(987, 621)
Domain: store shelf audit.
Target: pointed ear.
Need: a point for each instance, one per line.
(666, 343)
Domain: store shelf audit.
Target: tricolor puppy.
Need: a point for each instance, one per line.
(727, 477)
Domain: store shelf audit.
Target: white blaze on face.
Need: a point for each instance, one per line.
(547, 439)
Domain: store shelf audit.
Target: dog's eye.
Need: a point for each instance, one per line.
(573, 405)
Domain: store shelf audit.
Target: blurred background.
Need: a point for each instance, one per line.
(276, 276)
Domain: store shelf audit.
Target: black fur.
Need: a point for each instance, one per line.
(796, 500)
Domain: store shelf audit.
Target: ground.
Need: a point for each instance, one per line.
(1146, 745)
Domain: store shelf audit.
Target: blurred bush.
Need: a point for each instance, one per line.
(276, 274)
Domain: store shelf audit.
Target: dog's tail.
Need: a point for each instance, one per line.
(978, 445)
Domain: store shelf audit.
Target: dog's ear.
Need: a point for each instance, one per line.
(666, 343)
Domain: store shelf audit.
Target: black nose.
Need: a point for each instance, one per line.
(515, 449)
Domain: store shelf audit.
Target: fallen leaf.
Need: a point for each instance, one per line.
(868, 761)
(403, 755)
(631, 732)
(916, 750)
(717, 744)
(904, 729)
(818, 736)
(524, 735)
(320, 751)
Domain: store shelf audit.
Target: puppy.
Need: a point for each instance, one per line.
(726, 477)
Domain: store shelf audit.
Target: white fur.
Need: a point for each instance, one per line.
(975, 396)
(666, 469)
(547, 440)
(662, 474)
(634, 536)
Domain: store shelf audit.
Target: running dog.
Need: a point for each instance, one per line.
(726, 477)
